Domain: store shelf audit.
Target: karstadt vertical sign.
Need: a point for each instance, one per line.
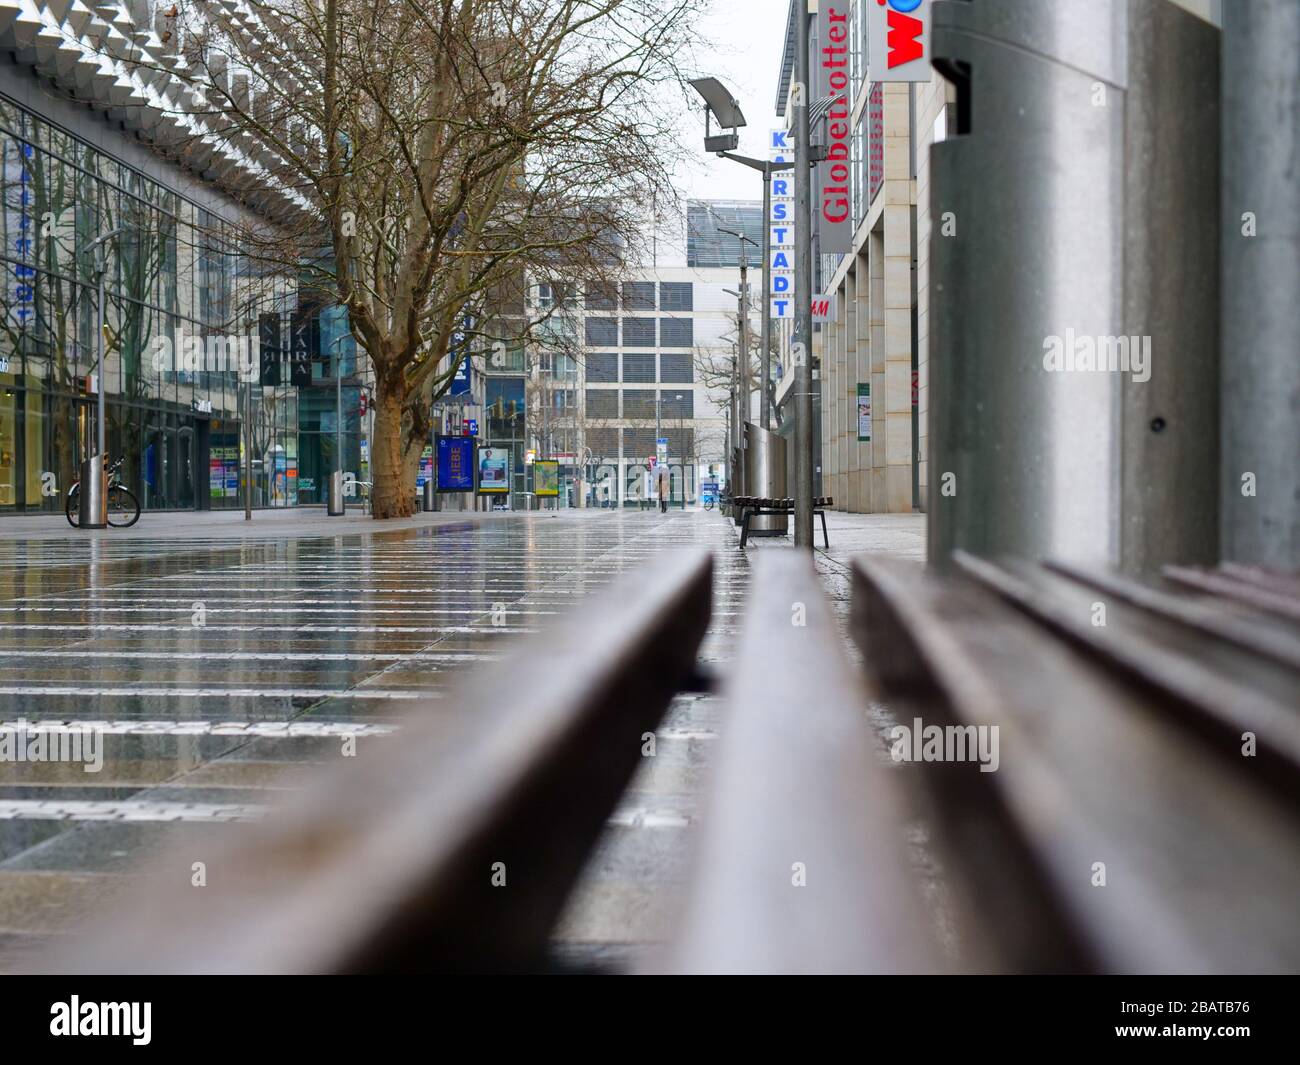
(898, 40)
(834, 206)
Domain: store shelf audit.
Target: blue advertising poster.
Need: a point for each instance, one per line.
(455, 464)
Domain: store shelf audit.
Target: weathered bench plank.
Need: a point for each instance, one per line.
(388, 862)
(801, 865)
(1116, 834)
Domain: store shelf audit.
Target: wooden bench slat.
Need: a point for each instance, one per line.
(385, 862)
(1201, 853)
(798, 779)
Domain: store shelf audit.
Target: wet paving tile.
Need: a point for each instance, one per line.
(221, 672)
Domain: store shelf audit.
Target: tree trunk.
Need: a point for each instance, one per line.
(394, 493)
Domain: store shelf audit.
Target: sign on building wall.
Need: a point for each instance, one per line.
(898, 40)
(304, 343)
(864, 413)
(462, 382)
(823, 308)
(875, 142)
(834, 175)
(780, 222)
(269, 352)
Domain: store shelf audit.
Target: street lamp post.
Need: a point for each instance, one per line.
(92, 504)
(248, 417)
(801, 347)
(767, 169)
(336, 478)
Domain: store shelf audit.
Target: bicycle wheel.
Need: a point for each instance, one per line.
(123, 510)
(73, 508)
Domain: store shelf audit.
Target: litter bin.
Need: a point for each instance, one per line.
(765, 477)
(430, 499)
(336, 494)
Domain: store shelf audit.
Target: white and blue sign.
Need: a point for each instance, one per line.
(462, 381)
(471, 424)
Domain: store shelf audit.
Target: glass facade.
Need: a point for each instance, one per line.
(184, 313)
(708, 246)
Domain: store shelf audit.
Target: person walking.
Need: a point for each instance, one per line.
(664, 485)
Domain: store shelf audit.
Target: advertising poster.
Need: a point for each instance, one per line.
(455, 464)
(864, 413)
(494, 469)
(546, 477)
(425, 471)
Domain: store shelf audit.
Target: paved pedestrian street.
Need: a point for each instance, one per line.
(221, 670)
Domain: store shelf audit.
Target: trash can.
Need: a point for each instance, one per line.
(765, 477)
(430, 497)
(336, 494)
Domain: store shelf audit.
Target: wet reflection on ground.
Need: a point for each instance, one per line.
(220, 671)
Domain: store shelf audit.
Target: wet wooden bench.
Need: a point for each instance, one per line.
(395, 860)
(754, 506)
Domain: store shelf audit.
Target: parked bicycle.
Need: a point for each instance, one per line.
(123, 507)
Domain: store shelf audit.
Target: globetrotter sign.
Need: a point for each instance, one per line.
(834, 208)
(898, 40)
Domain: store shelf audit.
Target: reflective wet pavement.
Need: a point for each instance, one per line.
(221, 669)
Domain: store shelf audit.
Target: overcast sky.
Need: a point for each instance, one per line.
(744, 53)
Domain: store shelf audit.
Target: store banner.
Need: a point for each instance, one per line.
(270, 354)
(898, 40)
(834, 210)
(304, 343)
(864, 413)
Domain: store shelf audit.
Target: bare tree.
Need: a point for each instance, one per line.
(425, 160)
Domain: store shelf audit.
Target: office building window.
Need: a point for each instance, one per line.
(603, 443)
(676, 332)
(602, 332)
(602, 368)
(638, 368)
(676, 368)
(677, 404)
(602, 403)
(602, 296)
(638, 403)
(638, 332)
(638, 295)
(676, 296)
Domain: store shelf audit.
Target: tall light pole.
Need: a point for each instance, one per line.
(746, 380)
(801, 348)
(92, 504)
(248, 415)
(336, 478)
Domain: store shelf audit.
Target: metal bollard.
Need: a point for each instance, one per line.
(336, 494)
(1076, 197)
(92, 494)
